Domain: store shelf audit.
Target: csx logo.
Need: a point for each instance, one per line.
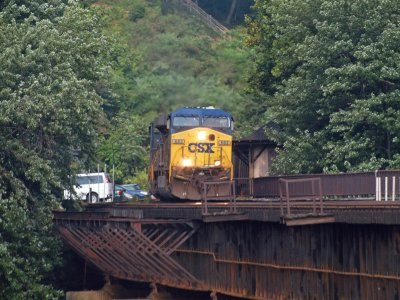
(201, 147)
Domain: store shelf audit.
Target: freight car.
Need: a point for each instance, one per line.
(189, 147)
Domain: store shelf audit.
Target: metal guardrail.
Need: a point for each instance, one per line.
(207, 19)
(243, 187)
(315, 193)
(378, 185)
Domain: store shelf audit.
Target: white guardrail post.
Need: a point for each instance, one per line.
(386, 188)
(378, 188)
(393, 188)
(378, 194)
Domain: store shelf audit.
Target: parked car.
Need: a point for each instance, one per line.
(121, 194)
(135, 190)
(98, 183)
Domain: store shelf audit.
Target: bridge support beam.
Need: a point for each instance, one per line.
(133, 249)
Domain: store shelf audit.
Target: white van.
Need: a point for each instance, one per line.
(99, 183)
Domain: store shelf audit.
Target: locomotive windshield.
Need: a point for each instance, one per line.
(186, 121)
(216, 122)
(188, 118)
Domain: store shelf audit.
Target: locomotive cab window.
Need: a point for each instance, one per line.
(186, 121)
(216, 122)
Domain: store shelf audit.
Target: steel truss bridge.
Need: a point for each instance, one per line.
(303, 244)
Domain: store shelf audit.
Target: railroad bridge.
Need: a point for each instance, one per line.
(299, 237)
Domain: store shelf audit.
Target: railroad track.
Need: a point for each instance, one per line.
(262, 204)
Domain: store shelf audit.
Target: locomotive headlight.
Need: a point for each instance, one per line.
(217, 163)
(186, 162)
(178, 141)
(224, 143)
(201, 135)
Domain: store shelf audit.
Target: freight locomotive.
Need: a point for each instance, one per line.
(189, 147)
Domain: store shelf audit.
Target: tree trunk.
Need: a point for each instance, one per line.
(231, 11)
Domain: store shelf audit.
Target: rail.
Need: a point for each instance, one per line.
(206, 18)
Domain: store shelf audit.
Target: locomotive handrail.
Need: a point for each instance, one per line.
(231, 196)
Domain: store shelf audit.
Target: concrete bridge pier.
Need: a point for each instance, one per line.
(159, 293)
(213, 295)
(113, 289)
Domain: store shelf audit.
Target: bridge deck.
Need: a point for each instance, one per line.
(350, 212)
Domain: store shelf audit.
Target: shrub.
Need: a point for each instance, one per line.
(137, 13)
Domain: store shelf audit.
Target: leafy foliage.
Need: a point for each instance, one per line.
(141, 178)
(137, 13)
(125, 146)
(327, 73)
(53, 56)
(19, 10)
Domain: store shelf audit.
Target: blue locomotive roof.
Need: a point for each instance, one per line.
(200, 111)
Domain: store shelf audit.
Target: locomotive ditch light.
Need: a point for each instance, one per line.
(201, 135)
(186, 162)
(217, 163)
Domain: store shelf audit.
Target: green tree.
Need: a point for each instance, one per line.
(125, 145)
(49, 117)
(19, 10)
(333, 74)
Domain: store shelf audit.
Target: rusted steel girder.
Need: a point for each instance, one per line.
(134, 249)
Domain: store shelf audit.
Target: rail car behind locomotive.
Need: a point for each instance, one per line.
(191, 146)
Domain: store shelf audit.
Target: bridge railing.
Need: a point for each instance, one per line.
(312, 191)
(243, 187)
(381, 185)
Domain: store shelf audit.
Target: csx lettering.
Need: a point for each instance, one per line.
(201, 147)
